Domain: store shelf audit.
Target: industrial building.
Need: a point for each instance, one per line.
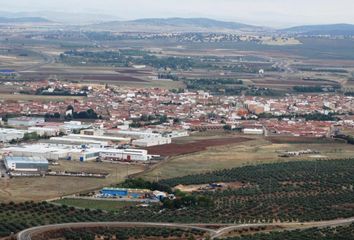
(57, 152)
(25, 121)
(68, 140)
(253, 131)
(8, 134)
(126, 193)
(26, 164)
(43, 131)
(143, 138)
(125, 154)
(149, 142)
(99, 138)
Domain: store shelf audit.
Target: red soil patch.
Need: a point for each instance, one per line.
(175, 149)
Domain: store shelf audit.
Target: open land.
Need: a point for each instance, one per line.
(259, 150)
(40, 189)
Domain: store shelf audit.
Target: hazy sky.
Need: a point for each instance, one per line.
(261, 12)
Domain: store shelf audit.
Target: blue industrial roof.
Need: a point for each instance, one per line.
(7, 71)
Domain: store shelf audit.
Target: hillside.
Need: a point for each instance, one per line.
(176, 24)
(331, 29)
(24, 20)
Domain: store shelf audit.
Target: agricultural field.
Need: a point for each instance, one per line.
(258, 150)
(293, 191)
(50, 187)
(303, 191)
(339, 233)
(95, 204)
(123, 234)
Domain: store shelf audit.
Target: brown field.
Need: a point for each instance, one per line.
(176, 149)
(25, 97)
(39, 189)
(118, 78)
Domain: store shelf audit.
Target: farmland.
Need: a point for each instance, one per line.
(194, 146)
(279, 192)
(94, 204)
(342, 232)
(258, 150)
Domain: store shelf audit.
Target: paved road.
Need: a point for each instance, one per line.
(225, 228)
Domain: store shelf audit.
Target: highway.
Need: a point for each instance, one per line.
(214, 233)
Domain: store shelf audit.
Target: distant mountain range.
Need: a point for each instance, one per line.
(107, 22)
(330, 29)
(177, 24)
(62, 17)
(24, 20)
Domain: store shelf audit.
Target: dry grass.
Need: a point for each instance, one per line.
(38, 189)
(256, 151)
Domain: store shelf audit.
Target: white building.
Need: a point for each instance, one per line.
(26, 164)
(76, 153)
(8, 134)
(253, 131)
(78, 141)
(43, 131)
(25, 121)
(149, 142)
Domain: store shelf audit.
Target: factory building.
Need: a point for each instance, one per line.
(125, 154)
(149, 142)
(253, 131)
(38, 150)
(99, 138)
(26, 164)
(25, 121)
(8, 134)
(68, 140)
(126, 193)
(57, 152)
(135, 134)
(43, 131)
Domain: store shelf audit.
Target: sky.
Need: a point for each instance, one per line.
(274, 13)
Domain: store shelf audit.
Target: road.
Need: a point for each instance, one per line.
(214, 233)
(26, 234)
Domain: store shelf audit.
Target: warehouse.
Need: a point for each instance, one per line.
(126, 193)
(99, 138)
(253, 131)
(56, 152)
(135, 134)
(124, 154)
(39, 150)
(26, 164)
(149, 142)
(74, 141)
(25, 121)
(8, 134)
(43, 131)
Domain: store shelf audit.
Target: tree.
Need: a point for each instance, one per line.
(227, 127)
